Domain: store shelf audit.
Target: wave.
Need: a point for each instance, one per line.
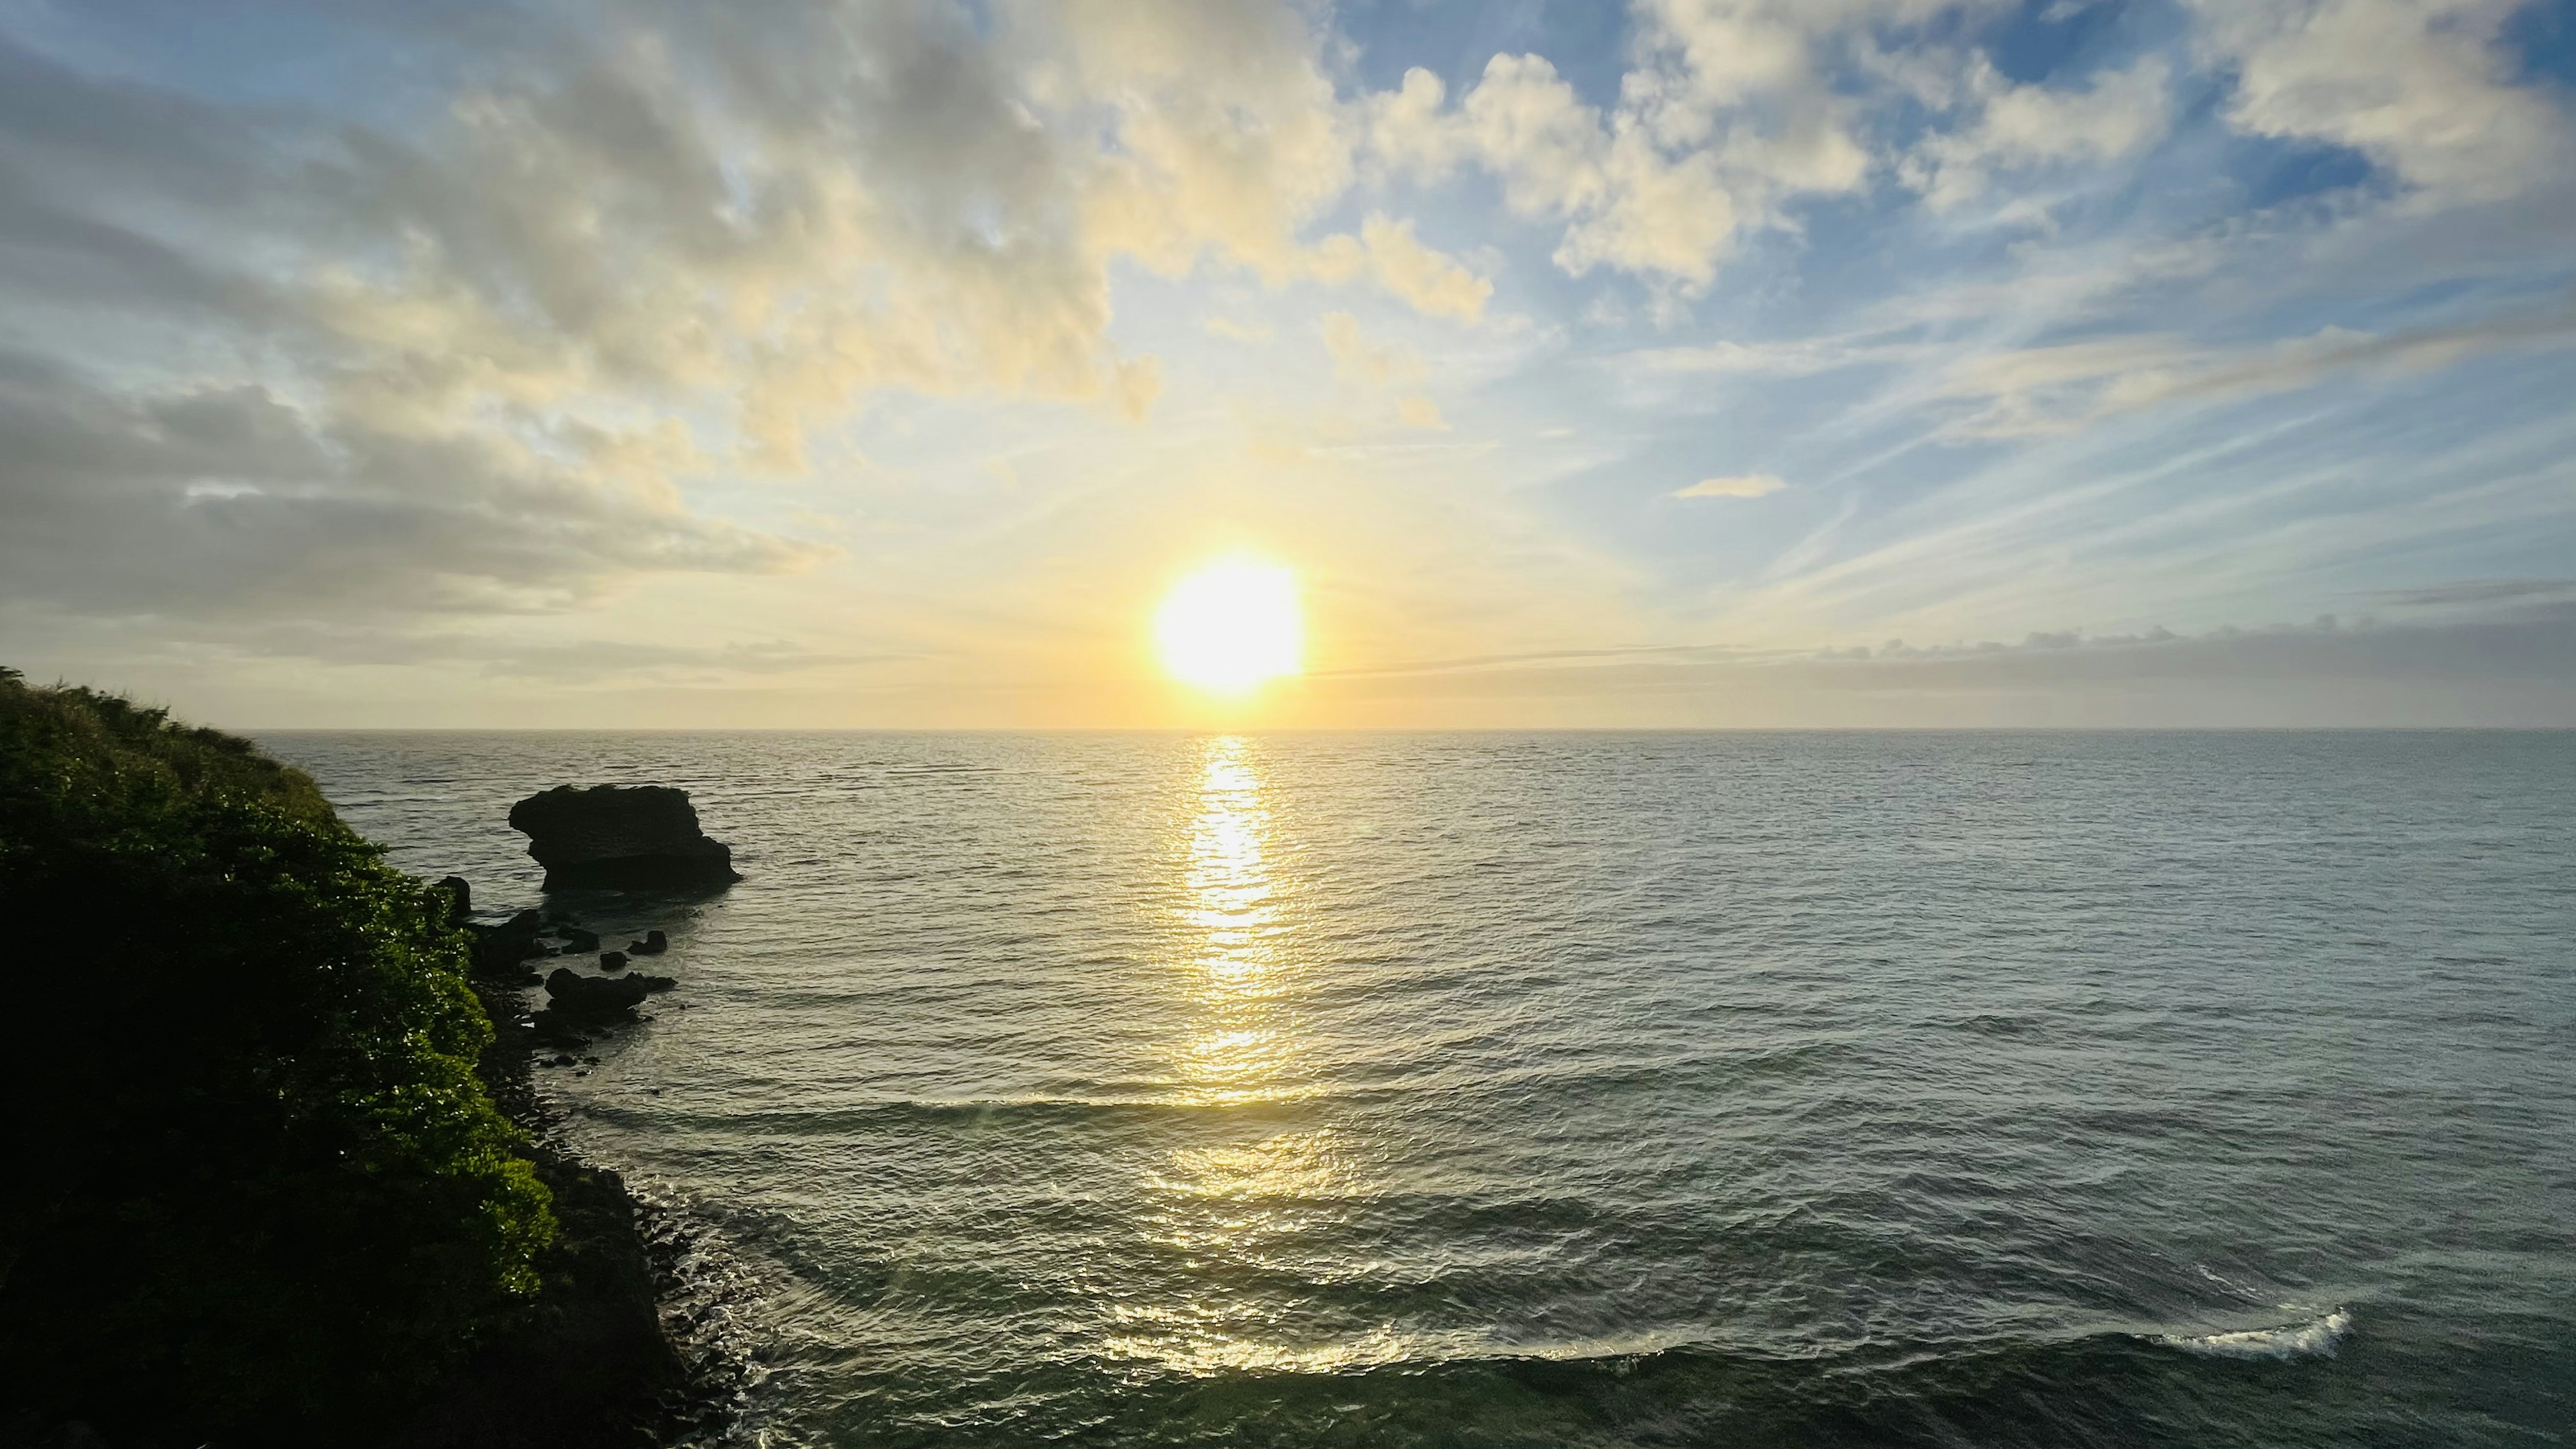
(2310, 1338)
(1966, 1370)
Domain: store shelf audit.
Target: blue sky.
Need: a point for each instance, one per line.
(1699, 362)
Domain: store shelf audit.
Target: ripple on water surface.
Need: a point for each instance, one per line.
(1671, 1089)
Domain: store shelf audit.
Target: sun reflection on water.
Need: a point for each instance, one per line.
(1233, 914)
(1240, 1207)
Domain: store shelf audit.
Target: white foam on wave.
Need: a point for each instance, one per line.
(2311, 1338)
(1384, 1348)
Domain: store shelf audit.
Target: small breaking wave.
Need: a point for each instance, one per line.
(2313, 1338)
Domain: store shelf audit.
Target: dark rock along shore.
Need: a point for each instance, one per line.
(593, 1365)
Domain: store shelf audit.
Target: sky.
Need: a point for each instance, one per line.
(1723, 363)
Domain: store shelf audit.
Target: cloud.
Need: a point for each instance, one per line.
(1233, 331)
(1786, 358)
(476, 359)
(2024, 126)
(572, 661)
(1359, 358)
(2474, 592)
(1362, 361)
(1624, 202)
(1734, 110)
(2419, 86)
(1746, 485)
(1417, 411)
(2063, 387)
(791, 207)
(450, 655)
(590, 292)
(1548, 658)
(2325, 648)
(235, 500)
(2465, 672)
(1431, 282)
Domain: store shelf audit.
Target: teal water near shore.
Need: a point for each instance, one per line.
(2065, 1089)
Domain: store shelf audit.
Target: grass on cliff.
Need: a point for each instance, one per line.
(255, 1190)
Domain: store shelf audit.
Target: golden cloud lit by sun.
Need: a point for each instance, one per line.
(1230, 626)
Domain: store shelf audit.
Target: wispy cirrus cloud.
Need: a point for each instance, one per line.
(1738, 485)
(2066, 386)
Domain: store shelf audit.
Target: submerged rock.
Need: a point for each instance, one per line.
(625, 837)
(498, 950)
(612, 960)
(653, 944)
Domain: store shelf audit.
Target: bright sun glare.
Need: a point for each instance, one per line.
(1231, 625)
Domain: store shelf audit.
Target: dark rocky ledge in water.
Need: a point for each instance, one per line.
(621, 837)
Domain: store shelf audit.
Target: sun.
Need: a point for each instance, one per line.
(1229, 626)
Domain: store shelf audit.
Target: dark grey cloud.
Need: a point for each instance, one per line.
(2533, 641)
(196, 417)
(2508, 669)
(566, 662)
(2481, 591)
(2540, 650)
(231, 500)
(1470, 663)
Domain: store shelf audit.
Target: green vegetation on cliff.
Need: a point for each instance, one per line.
(255, 1189)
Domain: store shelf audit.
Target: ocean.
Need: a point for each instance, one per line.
(2200, 1089)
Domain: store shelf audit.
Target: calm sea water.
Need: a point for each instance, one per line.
(1580, 1089)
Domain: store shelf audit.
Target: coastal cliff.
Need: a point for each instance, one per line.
(267, 1186)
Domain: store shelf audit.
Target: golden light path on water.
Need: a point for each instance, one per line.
(1233, 919)
(1246, 1206)
(1270, 1206)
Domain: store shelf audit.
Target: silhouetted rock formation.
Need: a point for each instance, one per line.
(591, 998)
(653, 944)
(498, 950)
(625, 837)
(460, 899)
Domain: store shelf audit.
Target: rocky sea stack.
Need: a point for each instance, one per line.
(621, 837)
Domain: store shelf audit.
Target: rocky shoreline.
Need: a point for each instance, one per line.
(598, 1362)
(619, 1350)
(284, 1183)
(624, 1348)
(629, 1341)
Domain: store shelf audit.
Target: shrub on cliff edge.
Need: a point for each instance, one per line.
(255, 1190)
